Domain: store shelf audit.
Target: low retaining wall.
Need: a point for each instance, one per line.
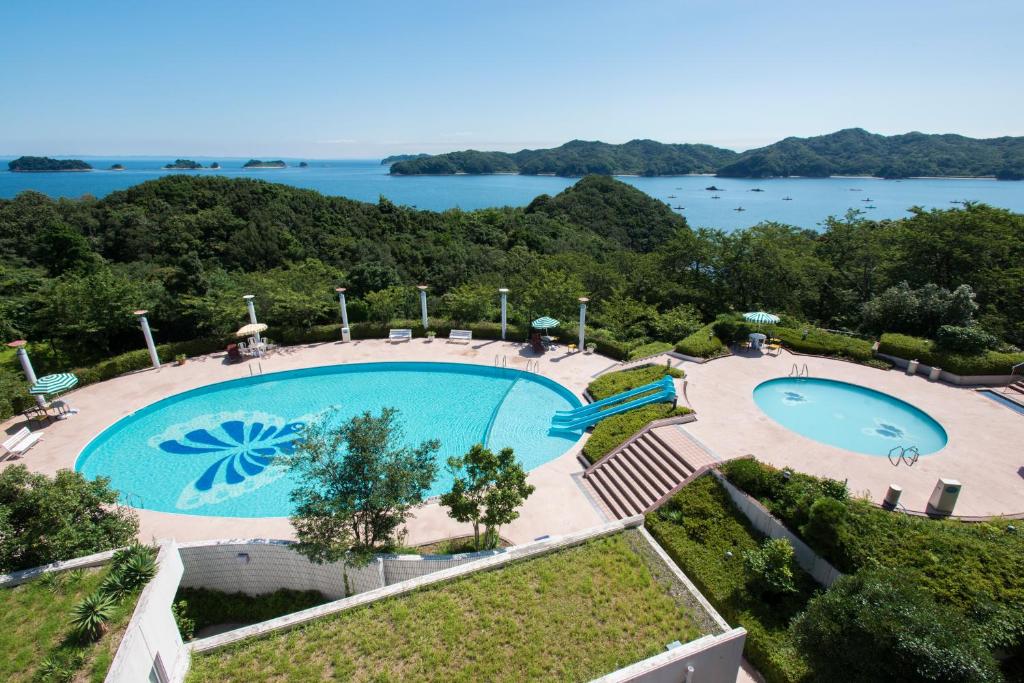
(25, 575)
(762, 520)
(711, 659)
(151, 648)
(258, 566)
(949, 377)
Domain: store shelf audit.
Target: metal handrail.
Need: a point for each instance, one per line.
(907, 455)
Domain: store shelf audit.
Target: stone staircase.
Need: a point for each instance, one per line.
(643, 472)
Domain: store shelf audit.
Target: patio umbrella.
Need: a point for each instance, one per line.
(250, 330)
(544, 322)
(761, 318)
(52, 384)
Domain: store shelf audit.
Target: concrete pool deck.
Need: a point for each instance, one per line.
(980, 452)
(559, 505)
(983, 451)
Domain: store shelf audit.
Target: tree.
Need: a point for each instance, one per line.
(471, 303)
(879, 625)
(357, 483)
(487, 490)
(769, 569)
(45, 520)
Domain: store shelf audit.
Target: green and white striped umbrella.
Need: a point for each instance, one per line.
(761, 318)
(51, 384)
(544, 323)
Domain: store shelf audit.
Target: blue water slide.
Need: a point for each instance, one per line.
(666, 392)
(576, 413)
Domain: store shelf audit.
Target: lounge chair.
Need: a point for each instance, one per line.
(463, 336)
(21, 441)
(395, 336)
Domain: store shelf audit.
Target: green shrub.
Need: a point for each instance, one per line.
(821, 343)
(186, 625)
(967, 340)
(750, 476)
(624, 380)
(826, 525)
(878, 363)
(613, 431)
(204, 607)
(924, 350)
(702, 344)
(90, 616)
(649, 349)
(879, 625)
(706, 536)
(769, 569)
(731, 328)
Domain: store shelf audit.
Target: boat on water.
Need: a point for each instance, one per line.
(678, 208)
(869, 199)
(715, 196)
(671, 196)
(756, 189)
(870, 206)
(787, 199)
(712, 188)
(739, 208)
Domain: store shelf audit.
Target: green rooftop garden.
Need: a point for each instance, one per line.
(569, 616)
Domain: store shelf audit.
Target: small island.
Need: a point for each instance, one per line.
(183, 165)
(303, 164)
(117, 167)
(215, 165)
(46, 164)
(256, 163)
(387, 161)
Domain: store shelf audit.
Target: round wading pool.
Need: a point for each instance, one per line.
(848, 415)
(210, 451)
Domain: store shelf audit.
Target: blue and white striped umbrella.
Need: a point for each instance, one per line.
(761, 318)
(544, 323)
(51, 384)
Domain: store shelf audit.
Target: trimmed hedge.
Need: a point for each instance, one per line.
(624, 380)
(818, 342)
(702, 344)
(613, 431)
(926, 351)
(649, 349)
(697, 528)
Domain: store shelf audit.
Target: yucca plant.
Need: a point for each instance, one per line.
(90, 616)
(137, 570)
(116, 586)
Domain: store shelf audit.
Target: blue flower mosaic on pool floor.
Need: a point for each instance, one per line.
(886, 430)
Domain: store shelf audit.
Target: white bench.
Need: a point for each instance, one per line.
(463, 336)
(21, 441)
(395, 336)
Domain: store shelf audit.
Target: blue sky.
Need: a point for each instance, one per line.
(346, 80)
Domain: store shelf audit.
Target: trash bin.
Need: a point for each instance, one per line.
(934, 374)
(346, 334)
(912, 367)
(892, 496)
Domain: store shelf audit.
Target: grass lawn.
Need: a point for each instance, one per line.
(572, 615)
(35, 631)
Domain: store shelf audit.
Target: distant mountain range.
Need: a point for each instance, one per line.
(853, 151)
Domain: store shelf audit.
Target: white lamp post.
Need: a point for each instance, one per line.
(583, 318)
(504, 310)
(345, 334)
(26, 366)
(252, 314)
(423, 304)
(148, 334)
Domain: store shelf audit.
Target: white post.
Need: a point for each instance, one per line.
(583, 318)
(423, 304)
(26, 366)
(344, 307)
(252, 313)
(504, 310)
(148, 334)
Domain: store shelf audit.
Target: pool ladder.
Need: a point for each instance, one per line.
(501, 361)
(799, 371)
(258, 371)
(533, 366)
(907, 455)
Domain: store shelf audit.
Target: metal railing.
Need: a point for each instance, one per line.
(907, 455)
(797, 371)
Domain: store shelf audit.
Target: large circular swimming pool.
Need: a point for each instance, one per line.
(210, 451)
(848, 415)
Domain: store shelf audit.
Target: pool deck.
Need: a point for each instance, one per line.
(558, 506)
(983, 451)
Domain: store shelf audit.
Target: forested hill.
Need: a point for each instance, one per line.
(387, 161)
(847, 152)
(577, 158)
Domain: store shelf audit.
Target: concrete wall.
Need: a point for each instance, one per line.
(711, 659)
(152, 634)
(949, 377)
(25, 575)
(762, 520)
(257, 566)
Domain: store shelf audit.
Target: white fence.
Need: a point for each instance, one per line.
(947, 376)
(762, 520)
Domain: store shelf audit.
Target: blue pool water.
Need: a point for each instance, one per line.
(998, 398)
(209, 451)
(848, 416)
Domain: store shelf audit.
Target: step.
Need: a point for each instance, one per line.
(639, 471)
(637, 486)
(602, 490)
(688, 469)
(659, 481)
(629, 500)
(665, 461)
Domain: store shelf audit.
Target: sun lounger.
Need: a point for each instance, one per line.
(21, 441)
(395, 336)
(463, 336)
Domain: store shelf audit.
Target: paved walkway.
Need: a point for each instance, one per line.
(983, 451)
(559, 506)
